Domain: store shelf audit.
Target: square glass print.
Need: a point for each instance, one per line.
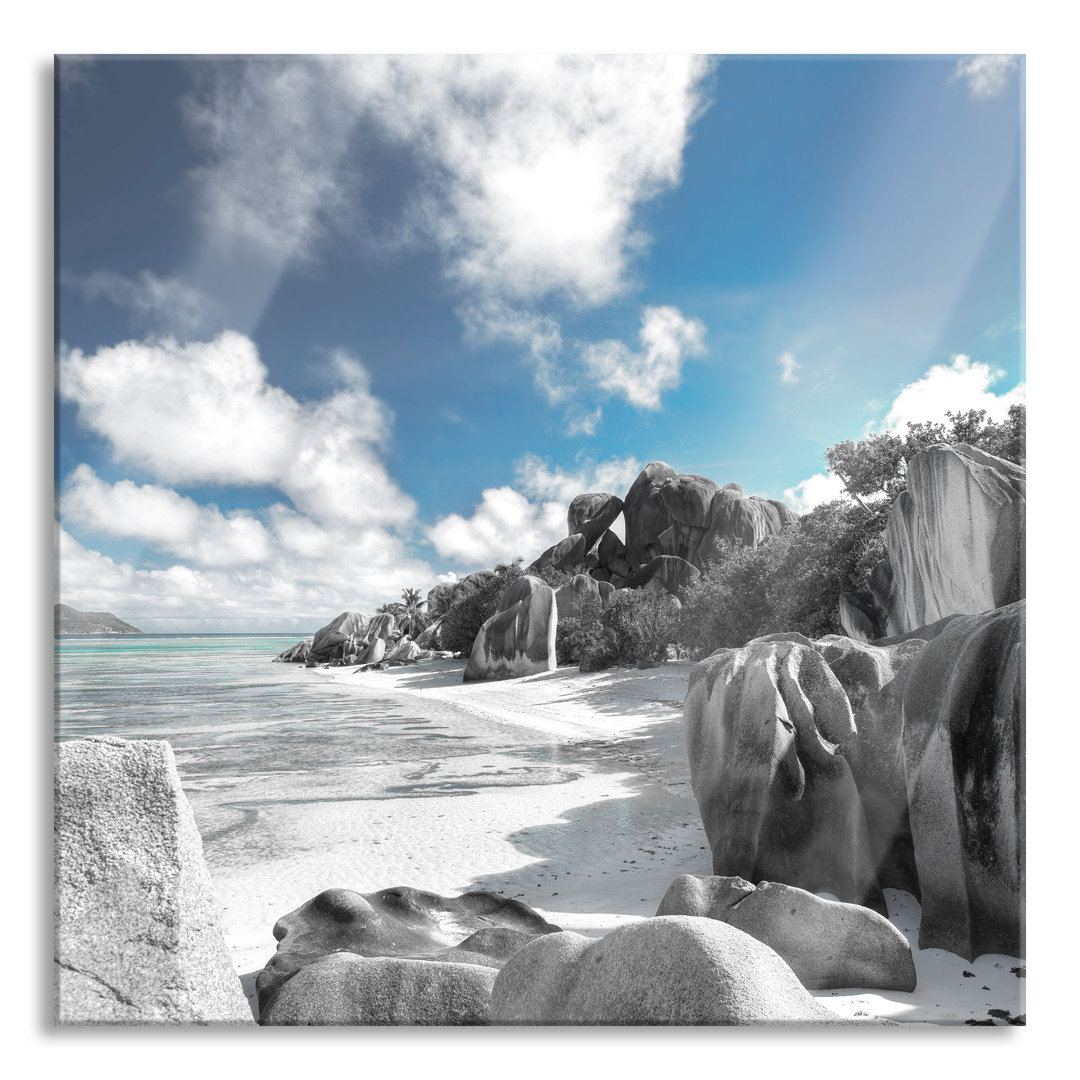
(540, 540)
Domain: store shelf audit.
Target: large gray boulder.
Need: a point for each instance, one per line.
(674, 970)
(567, 554)
(329, 641)
(479, 928)
(518, 641)
(769, 733)
(955, 538)
(748, 519)
(347, 989)
(667, 572)
(874, 678)
(826, 943)
(570, 597)
(521, 588)
(963, 752)
(646, 514)
(137, 939)
(295, 654)
(591, 515)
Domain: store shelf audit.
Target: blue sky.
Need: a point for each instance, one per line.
(333, 327)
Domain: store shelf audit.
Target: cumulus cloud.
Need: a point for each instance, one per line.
(530, 170)
(534, 164)
(813, 491)
(203, 412)
(154, 303)
(290, 591)
(164, 519)
(640, 377)
(527, 518)
(957, 386)
(986, 76)
(789, 368)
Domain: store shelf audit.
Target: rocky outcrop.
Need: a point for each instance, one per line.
(955, 538)
(570, 597)
(687, 499)
(296, 654)
(674, 970)
(568, 554)
(861, 616)
(748, 519)
(874, 678)
(330, 641)
(480, 929)
(136, 933)
(827, 944)
(591, 515)
(406, 651)
(645, 513)
(518, 641)
(346, 989)
(963, 746)
(520, 590)
(667, 572)
(769, 732)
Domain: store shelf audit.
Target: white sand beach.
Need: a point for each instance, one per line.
(568, 791)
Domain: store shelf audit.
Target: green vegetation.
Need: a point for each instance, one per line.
(463, 620)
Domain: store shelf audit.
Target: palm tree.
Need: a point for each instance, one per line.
(411, 613)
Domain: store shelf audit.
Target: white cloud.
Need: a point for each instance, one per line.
(535, 163)
(528, 518)
(641, 377)
(295, 591)
(813, 491)
(158, 304)
(204, 413)
(958, 386)
(530, 171)
(164, 519)
(789, 368)
(986, 76)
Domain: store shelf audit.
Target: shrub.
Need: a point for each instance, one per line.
(633, 631)
(792, 582)
(575, 638)
(463, 620)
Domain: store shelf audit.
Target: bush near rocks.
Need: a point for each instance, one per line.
(634, 630)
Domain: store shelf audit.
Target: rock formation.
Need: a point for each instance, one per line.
(478, 929)
(329, 641)
(522, 588)
(668, 572)
(954, 543)
(663, 971)
(769, 734)
(963, 745)
(137, 938)
(568, 554)
(518, 641)
(827, 944)
(591, 516)
(569, 597)
(299, 653)
(343, 988)
(688, 516)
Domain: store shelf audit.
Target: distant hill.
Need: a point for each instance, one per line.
(69, 621)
